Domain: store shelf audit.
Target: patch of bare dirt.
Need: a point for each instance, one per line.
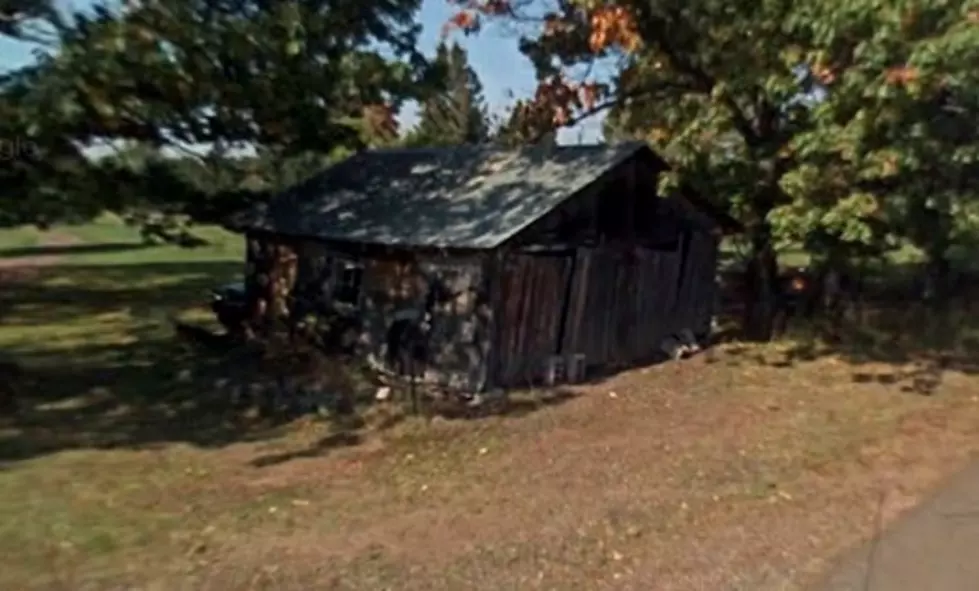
(25, 268)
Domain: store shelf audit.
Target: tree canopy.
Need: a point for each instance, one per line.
(838, 126)
(833, 124)
(286, 79)
(456, 112)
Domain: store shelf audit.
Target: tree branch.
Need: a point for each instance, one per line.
(704, 81)
(577, 119)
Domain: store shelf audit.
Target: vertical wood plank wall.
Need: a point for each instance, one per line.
(619, 306)
(695, 301)
(529, 319)
(620, 309)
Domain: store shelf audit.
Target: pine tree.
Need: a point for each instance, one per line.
(456, 112)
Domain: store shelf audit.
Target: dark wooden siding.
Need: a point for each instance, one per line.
(511, 312)
(459, 339)
(620, 306)
(695, 303)
(531, 300)
(614, 306)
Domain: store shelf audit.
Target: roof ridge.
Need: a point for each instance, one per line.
(440, 196)
(496, 148)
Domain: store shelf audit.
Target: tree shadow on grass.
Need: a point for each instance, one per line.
(73, 249)
(919, 343)
(140, 395)
(102, 367)
(66, 294)
(513, 405)
(518, 405)
(336, 440)
(105, 370)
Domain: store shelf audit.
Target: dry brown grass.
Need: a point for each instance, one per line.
(697, 475)
(737, 469)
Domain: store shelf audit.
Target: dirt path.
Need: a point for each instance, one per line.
(19, 268)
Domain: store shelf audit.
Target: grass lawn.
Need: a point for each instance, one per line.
(107, 241)
(743, 468)
(18, 238)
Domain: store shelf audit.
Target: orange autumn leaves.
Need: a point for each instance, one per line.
(901, 75)
(558, 99)
(564, 97)
(825, 74)
(609, 25)
(612, 26)
(554, 104)
(467, 19)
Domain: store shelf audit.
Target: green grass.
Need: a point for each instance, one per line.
(16, 238)
(93, 333)
(101, 315)
(108, 241)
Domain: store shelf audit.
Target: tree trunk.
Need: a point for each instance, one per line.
(762, 282)
(936, 224)
(829, 290)
(938, 273)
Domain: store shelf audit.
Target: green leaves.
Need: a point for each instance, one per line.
(291, 77)
(283, 74)
(453, 112)
(890, 118)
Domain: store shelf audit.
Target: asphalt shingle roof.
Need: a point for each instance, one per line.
(463, 197)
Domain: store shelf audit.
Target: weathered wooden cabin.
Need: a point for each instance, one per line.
(499, 261)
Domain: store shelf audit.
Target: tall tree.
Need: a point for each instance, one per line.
(286, 78)
(784, 110)
(294, 75)
(455, 113)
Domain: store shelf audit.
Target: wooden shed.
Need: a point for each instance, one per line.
(483, 265)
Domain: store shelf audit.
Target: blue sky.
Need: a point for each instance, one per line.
(504, 72)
